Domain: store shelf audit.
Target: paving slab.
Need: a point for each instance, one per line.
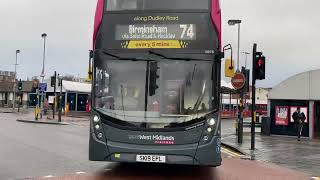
(285, 151)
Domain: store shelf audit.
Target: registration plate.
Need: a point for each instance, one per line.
(151, 158)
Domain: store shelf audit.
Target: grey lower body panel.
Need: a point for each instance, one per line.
(189, 154)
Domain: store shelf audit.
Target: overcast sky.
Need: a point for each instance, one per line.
(287, 31)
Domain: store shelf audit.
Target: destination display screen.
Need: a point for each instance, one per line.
(184, 31)
(156, 32)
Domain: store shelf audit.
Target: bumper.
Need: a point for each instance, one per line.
(189, 154)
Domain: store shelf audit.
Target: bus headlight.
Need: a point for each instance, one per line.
(96, 119)
(97, 127)
(212, 122)
(209, 129)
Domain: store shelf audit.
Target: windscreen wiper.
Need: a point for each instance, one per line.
(172, 58)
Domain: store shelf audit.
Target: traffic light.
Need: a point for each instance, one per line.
(153, 78)
(260, 67)
(90, 65)
(20, 85)
(53, 81)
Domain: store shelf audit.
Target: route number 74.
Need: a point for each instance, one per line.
(187, 31)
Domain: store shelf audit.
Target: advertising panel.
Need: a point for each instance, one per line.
(302, 109)
(282, 113)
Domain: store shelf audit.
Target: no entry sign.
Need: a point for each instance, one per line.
(238, 81)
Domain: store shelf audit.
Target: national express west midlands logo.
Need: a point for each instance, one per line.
(157, 139)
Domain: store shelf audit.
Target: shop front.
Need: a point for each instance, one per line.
(299, 91)
(282, 122)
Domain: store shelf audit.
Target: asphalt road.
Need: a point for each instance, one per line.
(31, 151)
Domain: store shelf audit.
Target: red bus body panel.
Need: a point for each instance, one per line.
(216, 18)
(97, 20)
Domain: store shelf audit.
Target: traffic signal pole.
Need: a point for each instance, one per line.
(60, 99)
(55, 94)
(253, 106)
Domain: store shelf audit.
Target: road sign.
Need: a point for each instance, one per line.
(43, 87)
(238, 81)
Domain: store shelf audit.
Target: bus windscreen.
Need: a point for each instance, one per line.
(120, 5)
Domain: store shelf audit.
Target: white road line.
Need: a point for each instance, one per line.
(49, 176)
(80, 172)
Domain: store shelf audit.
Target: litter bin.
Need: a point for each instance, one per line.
(265, 126)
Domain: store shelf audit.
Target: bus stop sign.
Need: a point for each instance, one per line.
(238, 81)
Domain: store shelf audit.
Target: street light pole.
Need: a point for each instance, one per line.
(14, 81)
(240, 112)
(44, 36)
(239, 46)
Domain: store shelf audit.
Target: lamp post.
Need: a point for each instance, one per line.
(233, 22)
(14, 81)
(44, 37)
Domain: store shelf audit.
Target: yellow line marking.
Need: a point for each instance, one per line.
(233, 154)
(315, 178)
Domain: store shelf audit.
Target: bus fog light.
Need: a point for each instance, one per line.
(96, 119)
(97, 127)
(212, 122)
(205, 138)
(209, 129)
(100, 135)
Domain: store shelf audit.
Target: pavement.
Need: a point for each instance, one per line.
(284, 151)
(27, 116)
(43, 151)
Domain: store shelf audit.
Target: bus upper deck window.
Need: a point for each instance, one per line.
(120, 5)
(117, 5)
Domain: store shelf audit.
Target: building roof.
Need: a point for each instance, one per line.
(70, 86)
(303, 86)
(76, 86)
(6, 86)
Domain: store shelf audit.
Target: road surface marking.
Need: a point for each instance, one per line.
(315, 178)
(49, 176)
(233, 154)
(80, 172)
